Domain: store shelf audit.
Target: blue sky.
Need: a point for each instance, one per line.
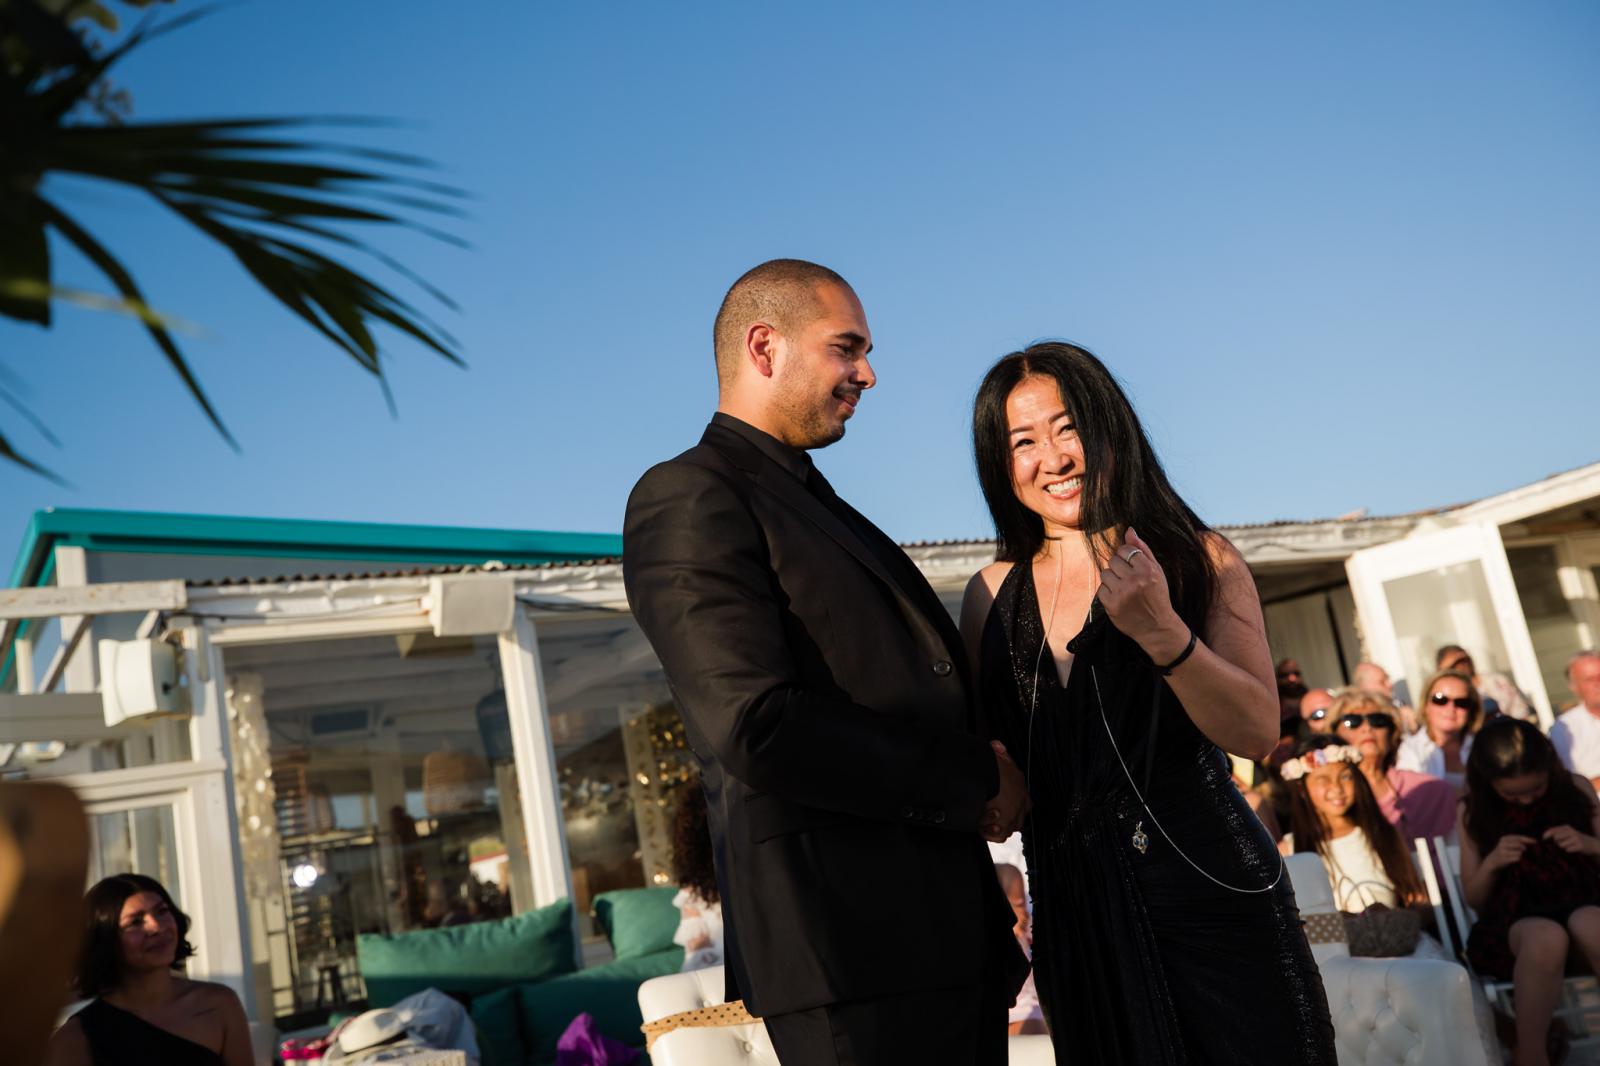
(1342, 256)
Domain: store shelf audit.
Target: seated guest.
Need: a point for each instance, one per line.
(1496, 692)
(1451, 713)
(699, 905)
(1370, 677)
(1576, 733)
(1333, 814)
(1026, 1015)
(142, 1011)
(1314, 709)
(1415, 804)
(1530, 867)
(1291, 686)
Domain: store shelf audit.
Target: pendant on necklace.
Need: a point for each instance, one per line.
(1140, 841)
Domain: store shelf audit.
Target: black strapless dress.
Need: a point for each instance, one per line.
(1139, 957)
(121, 1038)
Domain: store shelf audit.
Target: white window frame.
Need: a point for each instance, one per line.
(1480, 542)
(198, 794)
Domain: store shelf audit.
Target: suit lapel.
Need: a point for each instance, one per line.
(787, 488)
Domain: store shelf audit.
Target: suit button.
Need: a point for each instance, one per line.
(942, 668)
(908, 812)
(938, 817)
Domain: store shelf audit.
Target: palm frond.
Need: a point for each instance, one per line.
(11, 455)
(282, 202)
(118, 275)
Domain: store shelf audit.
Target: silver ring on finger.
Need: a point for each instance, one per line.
(1129, 557)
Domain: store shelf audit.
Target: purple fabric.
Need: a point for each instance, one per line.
(583, 1045)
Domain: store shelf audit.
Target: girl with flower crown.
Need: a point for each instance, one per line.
(1333, 814)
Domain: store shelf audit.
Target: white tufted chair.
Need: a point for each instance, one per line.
(749, 1045)
(1415, 1012)
(727, 1045)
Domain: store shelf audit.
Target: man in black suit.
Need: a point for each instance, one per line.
(826, 695)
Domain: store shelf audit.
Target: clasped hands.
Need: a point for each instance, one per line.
(1509, 848)
(1007, 807)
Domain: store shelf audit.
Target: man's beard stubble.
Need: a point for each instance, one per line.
(812, 422)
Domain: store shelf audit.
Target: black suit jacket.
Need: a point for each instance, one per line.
(825, 696)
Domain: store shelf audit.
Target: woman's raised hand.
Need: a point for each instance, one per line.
(1569, 839)
(1508, 850)
(1133, 591)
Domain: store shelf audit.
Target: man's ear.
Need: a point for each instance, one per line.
(762, 345)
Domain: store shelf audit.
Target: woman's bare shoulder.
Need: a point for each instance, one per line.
(990, 577)
(210, 994)
(1224, 556)
(979, 598)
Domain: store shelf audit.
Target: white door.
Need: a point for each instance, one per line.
(1447, 586)
(161, 821)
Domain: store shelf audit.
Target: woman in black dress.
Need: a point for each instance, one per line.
(144, 1011)
(1121, 650)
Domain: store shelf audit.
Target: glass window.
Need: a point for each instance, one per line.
(377, 793)
(621, 757)
(142, 840)
(1449, 605)
(1552, 622)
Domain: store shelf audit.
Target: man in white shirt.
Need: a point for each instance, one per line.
(1576, 734)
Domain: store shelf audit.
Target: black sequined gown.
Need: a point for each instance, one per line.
(1138, 957)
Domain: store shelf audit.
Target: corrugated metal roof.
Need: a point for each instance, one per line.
(416, 571)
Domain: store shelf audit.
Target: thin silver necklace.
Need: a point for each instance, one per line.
(1139, 840)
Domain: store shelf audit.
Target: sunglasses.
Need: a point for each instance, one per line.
(1377, 720)
(1439, 699)
(1318, 715)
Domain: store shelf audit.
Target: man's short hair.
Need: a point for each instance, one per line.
(1579, 656)
(779, 292)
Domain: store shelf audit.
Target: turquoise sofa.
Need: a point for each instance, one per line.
(519, 974)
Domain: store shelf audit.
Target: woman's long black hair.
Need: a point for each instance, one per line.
(1123, 481)
(1510, 747)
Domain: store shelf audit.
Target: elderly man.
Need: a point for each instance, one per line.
(1314, 709)
(1576, 733)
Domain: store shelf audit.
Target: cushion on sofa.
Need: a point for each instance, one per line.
(637, 921)
(610, 993)
(468, 959)
(497, 1016)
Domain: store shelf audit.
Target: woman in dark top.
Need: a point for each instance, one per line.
(1530, 867)
(1120, 649)
(143, 1013)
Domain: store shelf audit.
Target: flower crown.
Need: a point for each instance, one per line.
(1295, 769)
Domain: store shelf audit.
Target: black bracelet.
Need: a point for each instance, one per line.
(1188, 650)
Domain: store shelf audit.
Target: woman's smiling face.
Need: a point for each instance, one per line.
(1448, 716)
(1046, 454)
(149, 932)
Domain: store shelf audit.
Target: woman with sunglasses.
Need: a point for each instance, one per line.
(1416, 804)
(1451, 714)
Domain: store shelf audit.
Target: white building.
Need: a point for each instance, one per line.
(387, 725)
